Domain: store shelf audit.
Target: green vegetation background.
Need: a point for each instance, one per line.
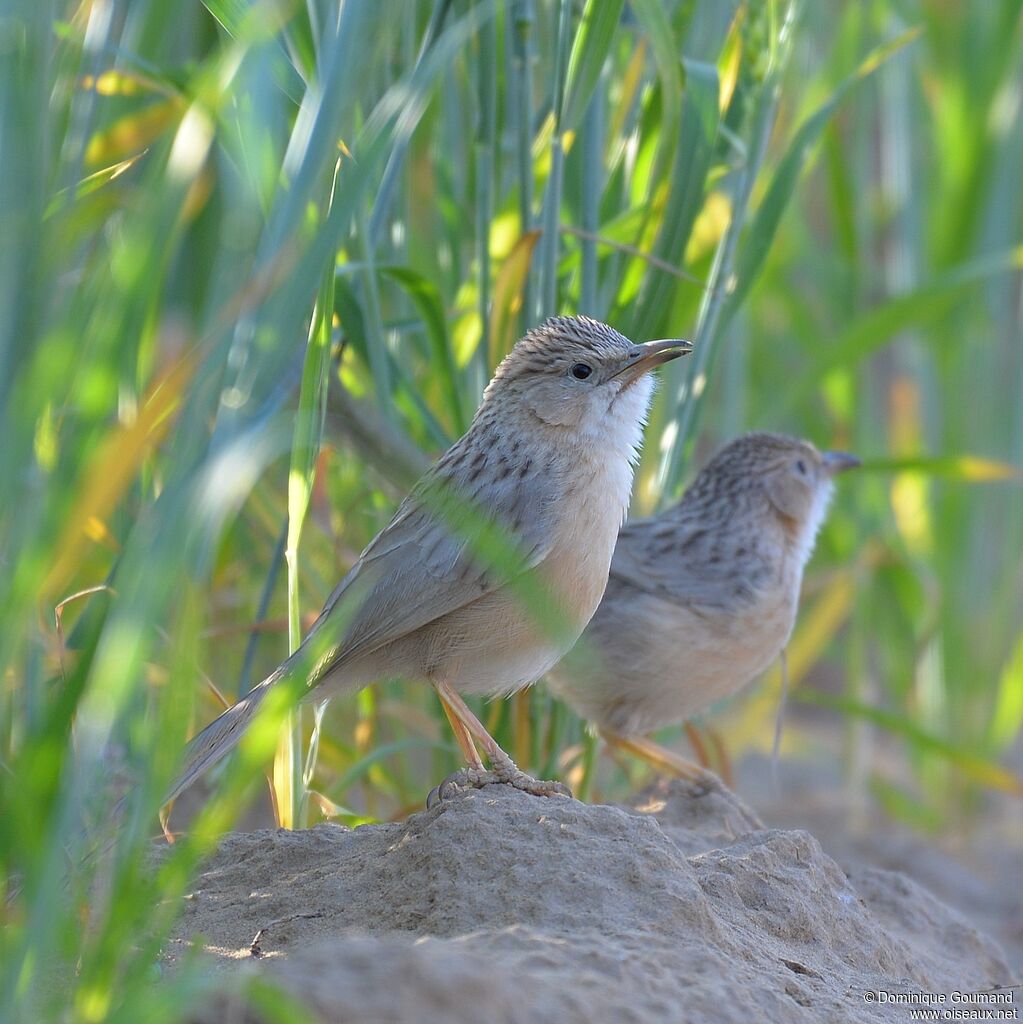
(257, 261)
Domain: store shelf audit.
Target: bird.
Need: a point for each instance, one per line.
(494, 563)
(702, 597)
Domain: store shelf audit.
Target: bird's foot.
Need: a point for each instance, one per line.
(503, 773)
(509, 773)
(464, 778)
(707, 783)
(536, 787)
(699, 782)
(749, 820)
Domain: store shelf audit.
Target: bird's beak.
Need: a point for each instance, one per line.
(645, 357)
(839, 462)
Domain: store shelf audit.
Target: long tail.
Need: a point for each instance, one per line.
(221, 736)
(314, 658)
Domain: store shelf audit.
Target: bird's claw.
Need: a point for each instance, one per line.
(749, 818)
(538, 787)
(707, 783)
(464, 778)
(477, 778)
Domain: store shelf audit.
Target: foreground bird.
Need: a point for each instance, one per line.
(495, 562)
(701, 598)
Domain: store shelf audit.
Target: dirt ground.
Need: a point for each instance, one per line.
(977, 868)
(505, 907)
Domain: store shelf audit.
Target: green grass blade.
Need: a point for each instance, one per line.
(699, 127)
(486, 144)
(790, 169)
(653, 18)
(878, 327)
(1007, 720)
(426, 298)
(971, 469)
(522, 17)
(972, 764)
(590, 49)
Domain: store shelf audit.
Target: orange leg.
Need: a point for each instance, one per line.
(721, 755)
(696, 742)
(695, 735)
(664, 760)
(520, 713)
(670, 763)
(504, 768)
(462, 736)
(456, 708)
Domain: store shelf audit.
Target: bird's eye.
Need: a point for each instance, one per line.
(581, 371)
(801, 466)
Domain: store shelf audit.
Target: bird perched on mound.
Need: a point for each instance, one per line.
(703, 597)
(495, 562)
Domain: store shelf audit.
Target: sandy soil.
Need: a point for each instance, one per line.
(502, 907)
(976, 867)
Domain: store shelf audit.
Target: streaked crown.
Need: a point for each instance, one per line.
(563, 340)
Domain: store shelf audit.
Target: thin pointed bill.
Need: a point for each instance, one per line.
(644, 358)
(839, 462)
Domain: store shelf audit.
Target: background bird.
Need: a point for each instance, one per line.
(703, 597)
(494, 563)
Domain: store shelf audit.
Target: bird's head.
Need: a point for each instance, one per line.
(579, 376)
(793, 479)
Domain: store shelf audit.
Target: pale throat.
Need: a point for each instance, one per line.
(611, 449)
(623, 429)
(806, 535)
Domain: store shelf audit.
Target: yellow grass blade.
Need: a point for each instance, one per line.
(112, 469)
(1008, 716)
(126, 136)
(508, 289)
(972, 469)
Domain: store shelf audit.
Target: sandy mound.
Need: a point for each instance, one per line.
(975, 867)
(504, 907)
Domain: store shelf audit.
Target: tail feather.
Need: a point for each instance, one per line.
(219, 738)
(304, 668)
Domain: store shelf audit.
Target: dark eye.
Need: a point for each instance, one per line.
(581, 371)
(801, 466)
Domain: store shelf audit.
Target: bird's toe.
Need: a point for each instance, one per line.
(475, 778)
(464, 778)
(537, 787)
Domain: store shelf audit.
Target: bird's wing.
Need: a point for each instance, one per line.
(442, 550)
(675, 561)
(437, 554)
